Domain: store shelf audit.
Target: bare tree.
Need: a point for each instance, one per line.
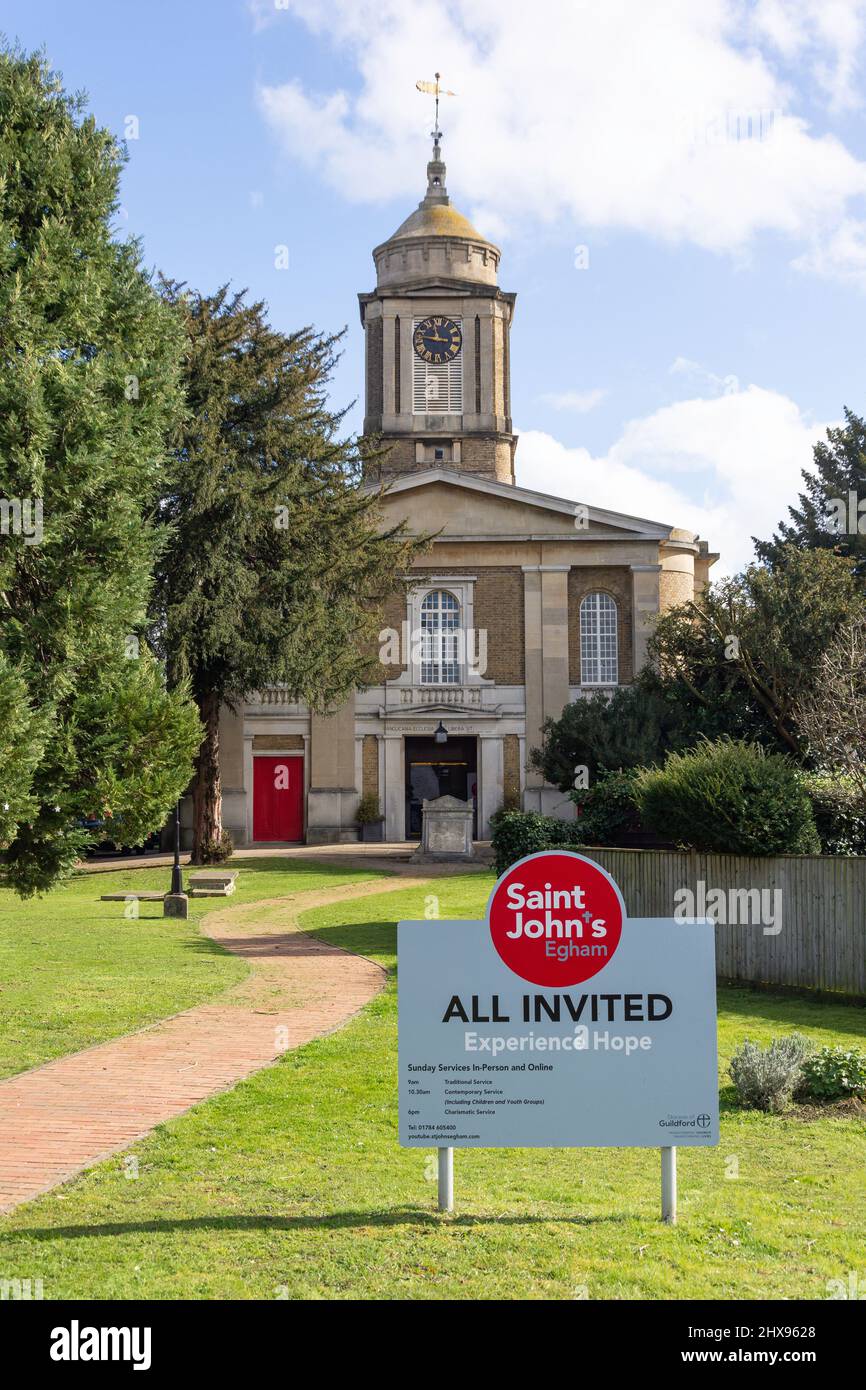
(831, 712)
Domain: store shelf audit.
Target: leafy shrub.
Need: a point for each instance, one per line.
(607, 808)
(729, 797)
(369, 810)
(623, 728)
(765, 1077)
(833, 1073)
(218, 851)
(637, 725)
(840, 815)
(518, 833)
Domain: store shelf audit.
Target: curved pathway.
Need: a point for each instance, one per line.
(73, 1112)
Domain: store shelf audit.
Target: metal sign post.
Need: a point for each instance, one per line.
(446, 1179)
(669, 1182)
(669, 1186)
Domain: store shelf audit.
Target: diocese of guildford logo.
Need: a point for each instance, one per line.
(555, 919)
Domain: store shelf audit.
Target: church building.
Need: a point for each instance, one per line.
(523, 603)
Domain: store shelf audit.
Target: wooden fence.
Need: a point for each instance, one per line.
(817, 903)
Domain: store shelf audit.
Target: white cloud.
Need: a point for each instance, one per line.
(684, 366)
(840, 256)
(614, 115)
(579, 401)
(740, 454)
(826, 34)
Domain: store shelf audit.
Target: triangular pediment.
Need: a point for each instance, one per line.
(461, 503)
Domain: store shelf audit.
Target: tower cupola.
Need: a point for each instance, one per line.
(437, 330)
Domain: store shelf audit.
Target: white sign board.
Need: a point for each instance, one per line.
(557, 1021)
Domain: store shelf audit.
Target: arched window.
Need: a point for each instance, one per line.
(440, 639)
(598, 640)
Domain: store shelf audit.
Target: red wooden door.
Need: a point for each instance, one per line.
(278, 798)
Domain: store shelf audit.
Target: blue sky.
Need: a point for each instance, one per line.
(717, 329)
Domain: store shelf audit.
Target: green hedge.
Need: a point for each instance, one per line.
(608, 808)
(605, 811)
(729, 797)
(726, 797)
(518, 833)
(840, 815)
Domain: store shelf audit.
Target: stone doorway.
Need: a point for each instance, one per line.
(439, 769)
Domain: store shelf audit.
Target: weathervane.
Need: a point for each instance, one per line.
(433, 89)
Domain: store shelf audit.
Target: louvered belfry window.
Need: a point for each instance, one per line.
(437, 390)
(598, 640)
(440, 639)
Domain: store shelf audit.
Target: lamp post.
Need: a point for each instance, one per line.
(176, 872)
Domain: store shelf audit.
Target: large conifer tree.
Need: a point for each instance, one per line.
(831, 514)
(276, 564)
(89, 389)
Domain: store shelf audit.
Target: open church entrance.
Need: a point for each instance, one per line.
(439, 769)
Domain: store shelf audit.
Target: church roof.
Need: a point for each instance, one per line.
(436, 215)
(437, 220)
(621, 522)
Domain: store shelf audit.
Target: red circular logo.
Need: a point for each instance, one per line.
(555, 918)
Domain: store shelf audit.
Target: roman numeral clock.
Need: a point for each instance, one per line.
(437, 340)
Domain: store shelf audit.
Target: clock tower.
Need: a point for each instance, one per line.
(437, 330)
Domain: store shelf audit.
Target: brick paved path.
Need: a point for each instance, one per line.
(69, 1114)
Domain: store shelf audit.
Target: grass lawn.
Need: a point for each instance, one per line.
(75, 971)
(293, 1184)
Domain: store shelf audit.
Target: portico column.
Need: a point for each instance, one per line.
(333, 797)
(492, 781)
(645, 606)
(533, 678)
(546, 662)
(393, 793)
(248, 785)
(554, 638)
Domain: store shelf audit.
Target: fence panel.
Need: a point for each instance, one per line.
(819, 903)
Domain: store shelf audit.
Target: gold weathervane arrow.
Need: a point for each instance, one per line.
(433, 89)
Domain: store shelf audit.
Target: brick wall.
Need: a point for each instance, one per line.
(393, 615)
(370, 765)
(675, 587)
(277, 743)
(484, 456)
(488, 456)
(511, 772)
(612, 580)
(499, 611)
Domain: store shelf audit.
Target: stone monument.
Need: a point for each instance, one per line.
(446, 829)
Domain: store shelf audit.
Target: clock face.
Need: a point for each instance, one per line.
(437, 340)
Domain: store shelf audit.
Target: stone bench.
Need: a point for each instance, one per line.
(212, 883)
(125, 897)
